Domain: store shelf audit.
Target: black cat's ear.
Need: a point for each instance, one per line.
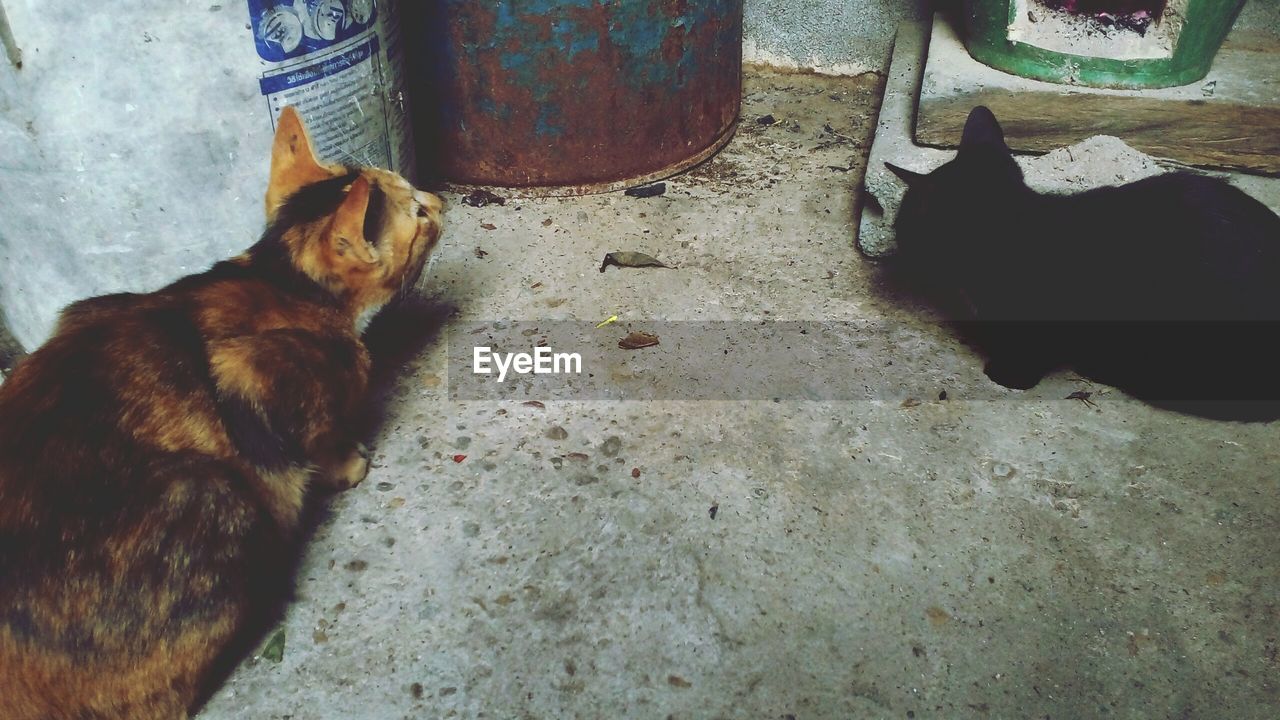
(982, 129)
(911, 178)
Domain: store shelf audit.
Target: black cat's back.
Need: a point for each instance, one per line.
(1174, 247)
(1239, 243)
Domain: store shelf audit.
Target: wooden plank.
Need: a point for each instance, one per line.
(1230, 120)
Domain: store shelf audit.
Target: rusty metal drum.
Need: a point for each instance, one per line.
(563, 97)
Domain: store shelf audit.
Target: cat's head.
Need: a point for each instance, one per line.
(944, 215)
(362, 233)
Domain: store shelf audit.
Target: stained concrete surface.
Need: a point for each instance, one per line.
(118, 170)
(1003, 557)
(131, 149)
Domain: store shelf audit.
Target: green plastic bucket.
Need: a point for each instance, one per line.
(1031, 38)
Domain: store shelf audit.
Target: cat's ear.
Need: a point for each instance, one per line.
(910, 177)
(347, 233)
(293, 162)
(982, 129)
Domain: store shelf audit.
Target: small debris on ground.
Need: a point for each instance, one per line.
(647, 191)
(480, 253)
(274, 649)
(1083, 396)
(546, 223)
(480, 198)
(909, 403)
(489, 226)
(535, 404)
(635, 472)
(607, 321)
(942, 396)
(535, 286)
(637, 340)
(766, 120)
(715, 508)
(611, 446)
(826, 128)
(631, 260)
(459, 458)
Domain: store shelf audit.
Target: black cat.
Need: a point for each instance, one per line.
(1168, 288)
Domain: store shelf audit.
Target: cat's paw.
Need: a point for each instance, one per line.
(351, 471)
(1013, 375)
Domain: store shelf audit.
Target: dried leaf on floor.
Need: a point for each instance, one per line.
(488, 226)
(481, 253)
(480, 198)
(637, 340)
(274, 649)
(631, 260)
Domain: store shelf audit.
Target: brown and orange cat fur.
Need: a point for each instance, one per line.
(155, 452)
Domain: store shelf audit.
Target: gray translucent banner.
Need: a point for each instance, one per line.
(818, 361)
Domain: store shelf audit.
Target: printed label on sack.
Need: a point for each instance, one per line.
(338, 62)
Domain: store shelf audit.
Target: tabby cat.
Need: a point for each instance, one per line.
(1168, 287)
(156, 451)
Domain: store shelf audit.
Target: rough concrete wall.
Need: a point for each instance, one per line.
(830, 36)
(133, 149)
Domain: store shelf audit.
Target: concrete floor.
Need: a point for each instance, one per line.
(985, 556)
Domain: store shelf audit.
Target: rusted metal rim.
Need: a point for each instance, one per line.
(550, 191)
